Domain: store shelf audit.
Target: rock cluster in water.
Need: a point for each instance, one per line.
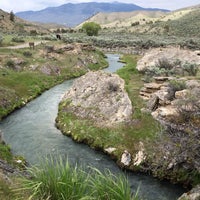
(101, 97)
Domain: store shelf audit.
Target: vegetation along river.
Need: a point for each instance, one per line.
(31, 132)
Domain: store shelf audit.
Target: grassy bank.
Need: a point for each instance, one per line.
(25, 74)
(122, 136)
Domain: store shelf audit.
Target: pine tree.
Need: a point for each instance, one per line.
(12, 16)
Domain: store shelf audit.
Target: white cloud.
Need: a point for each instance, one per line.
(24, 5)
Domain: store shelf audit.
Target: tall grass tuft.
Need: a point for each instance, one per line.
(108, 186)
(56, 180)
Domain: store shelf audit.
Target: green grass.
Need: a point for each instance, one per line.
(7, 187)
(19, 87)
(6, 192)
(5, 153)
(57, 180)
(122, 136)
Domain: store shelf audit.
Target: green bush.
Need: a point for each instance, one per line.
(33, 32)
(176, 85)
(165, 64)
(91, 28)
(10, 64)
(59, 180)
(191, 68)
(27, 53)
(18, 39)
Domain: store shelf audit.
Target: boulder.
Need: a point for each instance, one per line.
(193, 194)
(163, 96)
(181, 94)
(101, 97)
(161, 79)
(126, 158)
(110, 150)
(190, 84)
(165, 112)
(152, 86)
(140, 156)
(173, 54)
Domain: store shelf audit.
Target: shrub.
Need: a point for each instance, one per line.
(91, 28)
(33, 32)
(113, 87)
(27, 53)
(177, 85)
(191, 68)
(135, 23)
(10, 64)
(59, 180)
(17, 39)
(12, 16)
(189, 109)
(165, 64)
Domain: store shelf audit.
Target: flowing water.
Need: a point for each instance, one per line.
(31, 132)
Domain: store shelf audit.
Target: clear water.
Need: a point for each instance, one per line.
(31, 132)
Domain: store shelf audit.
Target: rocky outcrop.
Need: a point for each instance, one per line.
(173, 54)
(163, 101)
(101, 97)
(176, 152)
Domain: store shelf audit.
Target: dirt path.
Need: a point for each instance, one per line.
(25, 45)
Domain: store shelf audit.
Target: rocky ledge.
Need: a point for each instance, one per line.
(101, 97)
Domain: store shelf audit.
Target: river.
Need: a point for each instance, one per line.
(31, 132)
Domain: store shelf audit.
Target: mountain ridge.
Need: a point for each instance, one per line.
(72, 14)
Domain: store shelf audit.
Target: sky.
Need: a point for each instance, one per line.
(25, 5)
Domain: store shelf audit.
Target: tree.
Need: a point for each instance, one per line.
(12, 16)
(91, 28)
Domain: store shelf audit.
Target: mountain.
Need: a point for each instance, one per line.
(74, 14)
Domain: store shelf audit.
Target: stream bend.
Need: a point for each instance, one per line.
(31, 132)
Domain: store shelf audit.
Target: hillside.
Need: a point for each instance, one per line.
(124, 19)
(74, 14)
(183, 22)
(18, 25)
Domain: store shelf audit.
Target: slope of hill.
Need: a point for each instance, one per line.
(73, 14)
(183, 22)
(17, 25)
(125, 19)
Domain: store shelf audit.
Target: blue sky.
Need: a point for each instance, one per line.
(24, 5)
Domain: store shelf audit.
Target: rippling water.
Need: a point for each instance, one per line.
(31, 132)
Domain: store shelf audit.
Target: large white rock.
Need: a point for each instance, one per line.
(100, 96)
(172, 54)
(126, 158)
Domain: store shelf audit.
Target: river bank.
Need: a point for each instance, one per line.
(26, 74)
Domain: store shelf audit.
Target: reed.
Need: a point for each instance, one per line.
(58, 180)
